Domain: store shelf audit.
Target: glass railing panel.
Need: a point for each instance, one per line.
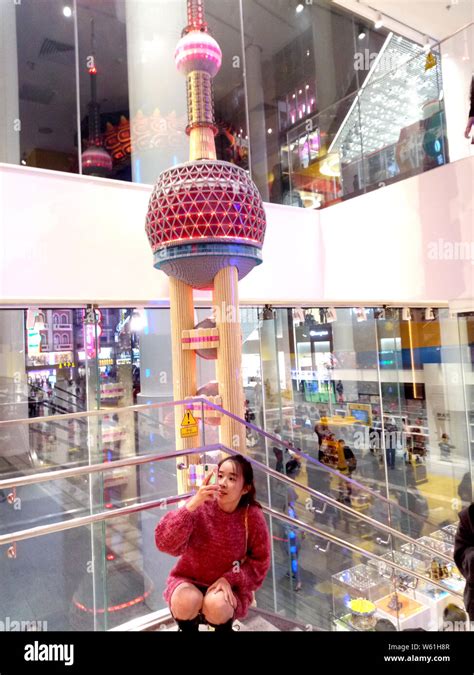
(124, 575)
(301, 579)
(335, 588)
(402, 115)
(318, 176)
(54, 582)
(335, 479)
(51, 445)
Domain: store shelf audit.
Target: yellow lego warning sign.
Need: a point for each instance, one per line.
(189, 425)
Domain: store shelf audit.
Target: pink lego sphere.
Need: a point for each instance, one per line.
(198, 51)
(203, 216)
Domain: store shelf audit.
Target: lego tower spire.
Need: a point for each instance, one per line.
(199, 57)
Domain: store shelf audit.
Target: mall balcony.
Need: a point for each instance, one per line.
(359, 322)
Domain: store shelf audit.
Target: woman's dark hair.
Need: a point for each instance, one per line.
(246, 470)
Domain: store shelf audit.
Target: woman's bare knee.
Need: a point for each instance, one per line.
(186, 602)
(216, 609)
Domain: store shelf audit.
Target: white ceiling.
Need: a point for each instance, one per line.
(435, 18)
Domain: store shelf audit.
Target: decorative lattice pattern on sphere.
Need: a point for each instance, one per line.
(205, 201)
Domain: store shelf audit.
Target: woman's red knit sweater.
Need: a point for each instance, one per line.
(211, 544)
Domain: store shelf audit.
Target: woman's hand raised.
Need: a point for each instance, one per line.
(205, 493)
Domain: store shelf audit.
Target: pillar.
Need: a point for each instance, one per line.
(9, 101)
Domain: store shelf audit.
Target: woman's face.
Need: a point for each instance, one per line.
(231, 485)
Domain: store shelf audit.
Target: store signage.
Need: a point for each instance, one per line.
(92, 327)
(67, 364)
(34, 342)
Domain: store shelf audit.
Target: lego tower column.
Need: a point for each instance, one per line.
(229, 355)
(184, 363)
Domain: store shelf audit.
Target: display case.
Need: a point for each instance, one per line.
(355, 591)
(405, 559)
(450, 529)
(404, 611)
(446, 537)
(438, 545)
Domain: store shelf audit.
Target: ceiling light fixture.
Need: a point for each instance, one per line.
(299, 8)
(361, 32)
(67, 11)
(378, 23)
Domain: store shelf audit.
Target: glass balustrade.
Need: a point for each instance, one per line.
(123, 574)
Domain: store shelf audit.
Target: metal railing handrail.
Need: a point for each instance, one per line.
(222, 411)
(80, 521)
(145, 459)
(294, 522)
(145, 506)
(101, 412)
(344, 507)
(60, 474)
(313, 460)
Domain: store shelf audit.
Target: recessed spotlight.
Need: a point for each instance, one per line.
(67, 11)
(269, 131)
(307, 86)
(299, 8)
(361, 34)
(300, 92)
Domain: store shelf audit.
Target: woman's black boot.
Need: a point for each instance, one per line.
(188, 626)
(223, 627)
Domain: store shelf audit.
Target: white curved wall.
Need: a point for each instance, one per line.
(67, 238)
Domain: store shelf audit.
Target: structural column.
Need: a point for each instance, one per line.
(229, 356)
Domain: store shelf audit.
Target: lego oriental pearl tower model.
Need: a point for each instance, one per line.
(206, 227)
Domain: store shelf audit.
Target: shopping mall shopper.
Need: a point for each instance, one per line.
(223, 542)
(464, 555)
(445, 447)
